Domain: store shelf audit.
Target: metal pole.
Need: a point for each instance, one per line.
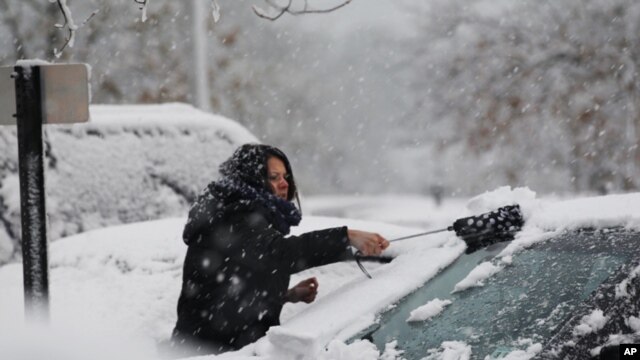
(200, 69)
(32, 196)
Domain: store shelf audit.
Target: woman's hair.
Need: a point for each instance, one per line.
(249, 163)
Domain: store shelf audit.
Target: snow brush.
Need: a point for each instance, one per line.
(476, 231)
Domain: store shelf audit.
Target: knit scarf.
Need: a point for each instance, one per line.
(232, 194)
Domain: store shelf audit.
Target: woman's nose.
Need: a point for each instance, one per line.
(283, 183)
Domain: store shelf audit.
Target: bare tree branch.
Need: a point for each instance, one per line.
(282, 9)
(70, 25)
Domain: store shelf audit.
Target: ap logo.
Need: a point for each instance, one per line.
(629, 351)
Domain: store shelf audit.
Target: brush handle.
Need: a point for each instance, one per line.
(422, 234)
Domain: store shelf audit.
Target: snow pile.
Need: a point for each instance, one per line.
(591, 323)
(336, 350)
(120, 281)
(451, 350)
(358, 350)
(622, 289)
(502, 196)
(130, 163)
(428, 310)
(595, 212)
(391, 352)
(477, 276)
(72, 343)
(532, 350)
(634, 323)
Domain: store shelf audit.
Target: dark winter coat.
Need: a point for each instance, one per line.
(238, 263)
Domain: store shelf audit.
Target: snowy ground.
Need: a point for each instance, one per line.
(114, 291)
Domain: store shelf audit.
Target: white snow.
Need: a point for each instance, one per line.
(591, 323)
(215, 11)
(545, 219)
(622, 289)
(123, 282)
(391, 352)
(501, 196)
(428, 310)
(451, 350)
(6, 246)
(634, 323)
(527, 354)
(32, 62)
(177, 114)
(477, 276)
(130, 163)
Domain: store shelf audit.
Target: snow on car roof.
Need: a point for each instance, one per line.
(166, 114)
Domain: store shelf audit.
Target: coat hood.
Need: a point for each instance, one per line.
(243, 187)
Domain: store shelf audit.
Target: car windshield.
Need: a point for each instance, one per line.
(527, 302)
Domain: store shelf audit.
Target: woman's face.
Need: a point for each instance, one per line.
(277, 174)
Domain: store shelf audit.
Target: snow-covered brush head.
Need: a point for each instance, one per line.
(489, 228)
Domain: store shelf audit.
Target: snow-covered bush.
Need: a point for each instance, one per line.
(129, 163)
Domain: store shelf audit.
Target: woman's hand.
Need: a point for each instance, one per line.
(368, 243)
(305, 290)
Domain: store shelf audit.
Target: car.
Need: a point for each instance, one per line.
(563, 298)
(565, 292)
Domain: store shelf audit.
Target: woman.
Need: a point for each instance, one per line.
(238, 263)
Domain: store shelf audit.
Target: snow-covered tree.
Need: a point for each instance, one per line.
(544, 87)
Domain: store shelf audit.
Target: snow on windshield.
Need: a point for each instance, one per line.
(545, 219)
(428, 310)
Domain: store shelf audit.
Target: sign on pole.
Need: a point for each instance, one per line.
(52, 94)
(64, 93)
(7, 96)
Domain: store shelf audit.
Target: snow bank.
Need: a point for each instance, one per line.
(428, 310)
(70, 343)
